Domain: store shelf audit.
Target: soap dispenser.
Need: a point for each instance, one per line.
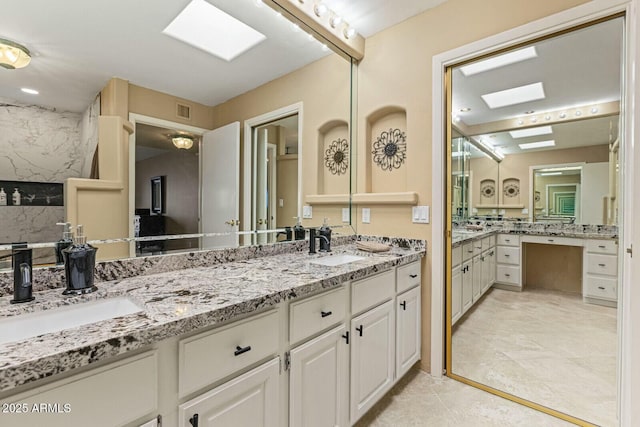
(64, 242)
(79, 265)
(298, 230)
(325, 231)
(3, 197)
(22, 275)
(16, 197)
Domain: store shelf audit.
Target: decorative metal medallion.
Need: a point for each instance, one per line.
(537, 196)
(390, 149)
(511, 190)
(488, 190)
(336, 157)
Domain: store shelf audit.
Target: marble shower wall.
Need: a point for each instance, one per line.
(41, 144)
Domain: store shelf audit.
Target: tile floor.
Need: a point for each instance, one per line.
(421, 400)
(545, 346)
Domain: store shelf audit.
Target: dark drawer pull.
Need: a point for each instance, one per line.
(507, 255)
(325, 313)
(601, 287)
(240, 350)
(413, 276)
(403, 304)
(346, 337)
(194, 420)
(507, 275)
(507, 240)
(470, 252)
(478, 247)
(359, 329)
(601, 265)
(601, 246)
(550, 240)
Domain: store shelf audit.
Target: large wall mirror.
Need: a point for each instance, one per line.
(191, 111)
(535, 137)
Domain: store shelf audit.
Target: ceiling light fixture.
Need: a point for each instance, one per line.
(578, 113)
(13, 55)
(539, 144)
(349, 32)
(594, 110)
(335, 20)
(202, 25)
(29, 91)
(499, 61)
(550, 173)
(320, 9)
(562, 115)
(524, 133)
(182, 142)
(562, 168)
(516, 95)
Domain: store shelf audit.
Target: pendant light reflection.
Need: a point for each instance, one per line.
(13, 55)
(182, 142)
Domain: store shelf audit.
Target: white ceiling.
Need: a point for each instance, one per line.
(579, 68)
(78, 45)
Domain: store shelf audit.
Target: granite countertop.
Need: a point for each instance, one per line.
(175, 303)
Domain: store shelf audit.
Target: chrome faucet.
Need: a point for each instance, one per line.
(22, 260)
(325, 243)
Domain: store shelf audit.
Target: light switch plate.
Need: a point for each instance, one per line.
(307, 212)
(366, 215)
(525, 211)
(420, 214)
(345, 215)
(281, 203)
(502, 212)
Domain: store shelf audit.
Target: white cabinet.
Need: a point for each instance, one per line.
(407, 330)
(600, 272)
(467, 286)
(248, 400)
(456, 294)
(319, 381)
(508, 271)
(486, 271)
(372, 357)
(477, 277)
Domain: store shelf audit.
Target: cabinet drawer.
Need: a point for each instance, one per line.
(506, 274)
(603, 246)
(316, 314)
(211, 356)
(486, 243)
(467, 251)
(508, 240)
(456, 256)
(508, 255)
(369, 292)
(408, 276)
(602, 264)
(600, 287)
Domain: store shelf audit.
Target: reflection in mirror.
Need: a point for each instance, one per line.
(533, 298)
(62, 123)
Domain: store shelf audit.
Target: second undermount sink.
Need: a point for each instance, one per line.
(335, 260)
(17, 328)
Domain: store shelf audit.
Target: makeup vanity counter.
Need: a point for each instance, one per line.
(188, 301)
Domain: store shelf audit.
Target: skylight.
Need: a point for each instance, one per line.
(206, 27)
(499, 61)
(539, 144)
(523, 133)
(516, 95)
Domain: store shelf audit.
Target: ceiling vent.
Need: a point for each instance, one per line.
(183, 111)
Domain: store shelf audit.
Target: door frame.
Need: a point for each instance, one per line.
(260, 120)
(135, 118)
(629, 308)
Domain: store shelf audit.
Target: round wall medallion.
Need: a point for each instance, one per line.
(390, 149)
(488, 190)
(511, 190)
(336, 157)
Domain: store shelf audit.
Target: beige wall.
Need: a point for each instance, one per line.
(396, 71)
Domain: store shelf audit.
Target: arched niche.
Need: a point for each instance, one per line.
(386, 150)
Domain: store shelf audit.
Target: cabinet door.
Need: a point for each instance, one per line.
(492, 266)
(477, 277)
(248, 400)
(467, 286)
(319, 379)
(485, 271)
(407, 330)
(456, 294)
(372, 357)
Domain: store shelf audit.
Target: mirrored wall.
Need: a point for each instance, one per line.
(173, 198)
(535, 137)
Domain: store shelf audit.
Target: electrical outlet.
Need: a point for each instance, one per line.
(420, 214)
(345, 215)
(307, 212)
(366, 215)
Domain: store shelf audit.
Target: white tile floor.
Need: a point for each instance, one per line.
(538, 344)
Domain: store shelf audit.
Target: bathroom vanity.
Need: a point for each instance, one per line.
(270, 340)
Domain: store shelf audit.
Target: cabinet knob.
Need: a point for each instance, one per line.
(325, 313)
(240, 350)
(194, 420)
(403, 304)
(359, 329)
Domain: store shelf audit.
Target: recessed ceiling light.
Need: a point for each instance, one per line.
(499, 61)
(29, 91)
(206, 27)
(550, 173)
(516, 95)
(539, 144)
(524, 133)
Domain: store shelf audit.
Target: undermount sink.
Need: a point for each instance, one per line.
(17, 328)
(335, 260)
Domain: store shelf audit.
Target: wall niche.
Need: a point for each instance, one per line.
(511, 192)
(334, 158)
(386, 136)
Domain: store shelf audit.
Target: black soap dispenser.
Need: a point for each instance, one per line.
(298, 230)
(325, 236)
(63, 243)
(79, 265)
